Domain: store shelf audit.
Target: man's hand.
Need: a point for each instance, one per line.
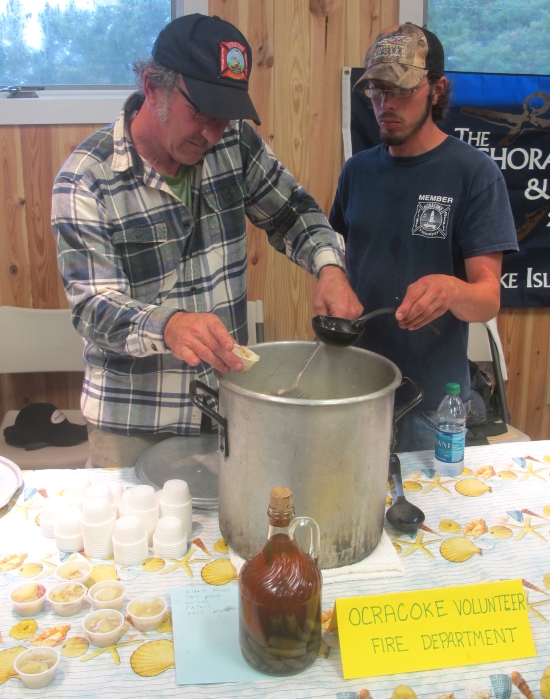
(426, 299)
(334, 296)
(474, 301)
(195, 336)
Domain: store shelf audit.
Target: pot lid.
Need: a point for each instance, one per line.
(194, 460)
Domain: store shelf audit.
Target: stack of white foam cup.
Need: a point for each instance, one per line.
(98, 524)
(48, 516)
(170, 538)
(102, 490)
(142, 502)
(130, 540)
(175, 500)
(75, 490)
(123, 502)
(116, 491)
(68, 530)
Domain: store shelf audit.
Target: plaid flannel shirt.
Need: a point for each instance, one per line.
(131, 254)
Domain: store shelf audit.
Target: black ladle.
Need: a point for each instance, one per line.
(341, 332)
(402, 515)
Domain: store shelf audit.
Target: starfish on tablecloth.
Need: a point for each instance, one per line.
(531, 608)
(184, 563)
(530, 472)
(526, 528)
(24, 509)
(112, 650)
(436, 483)
(418, 545)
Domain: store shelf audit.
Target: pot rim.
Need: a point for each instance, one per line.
(282, 400)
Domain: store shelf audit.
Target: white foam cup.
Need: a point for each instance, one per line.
(76, 487)
(128, 554)
(68, 522)
(102, 640)
(142, 498)
(170, 530)
(96, 511)
(129, 530)
(67, 608)
(67, 571)
(124, 502)
(116, 490)
(37, 680)
(100, 490)
(28, 608)
(175, 492)
(69, 544)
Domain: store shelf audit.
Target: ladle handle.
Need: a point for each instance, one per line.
(358, 322)
(395, 473)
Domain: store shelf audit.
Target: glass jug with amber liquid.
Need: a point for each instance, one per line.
(280, 595)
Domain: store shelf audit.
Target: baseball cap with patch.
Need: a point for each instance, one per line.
(42, 425)
(402, 55)
(214, 59)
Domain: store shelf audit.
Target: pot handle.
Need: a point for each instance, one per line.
(196, 399)
(412, 403)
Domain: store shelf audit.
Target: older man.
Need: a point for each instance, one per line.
(426, 219)
(149, 217)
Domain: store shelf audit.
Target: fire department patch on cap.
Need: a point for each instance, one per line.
(233, 61)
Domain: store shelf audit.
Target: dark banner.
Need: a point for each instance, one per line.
(507, 117)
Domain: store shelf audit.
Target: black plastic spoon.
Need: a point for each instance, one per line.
(402, 515)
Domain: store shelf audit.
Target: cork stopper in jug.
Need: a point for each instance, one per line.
(281, 509)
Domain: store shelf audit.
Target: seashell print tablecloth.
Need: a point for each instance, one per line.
(490, 523)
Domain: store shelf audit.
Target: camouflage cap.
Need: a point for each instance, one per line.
(402, 55)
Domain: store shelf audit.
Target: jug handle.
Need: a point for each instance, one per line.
(197, 401)
(315, 540)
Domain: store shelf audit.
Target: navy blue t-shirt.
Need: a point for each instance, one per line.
(404, 218)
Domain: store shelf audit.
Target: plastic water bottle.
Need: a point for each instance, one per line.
(451, 433)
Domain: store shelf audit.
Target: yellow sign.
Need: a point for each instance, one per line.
(431, 629)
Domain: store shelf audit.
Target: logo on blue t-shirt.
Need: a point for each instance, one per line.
(432, 216)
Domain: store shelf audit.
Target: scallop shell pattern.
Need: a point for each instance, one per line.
(219, 572)
(449, 526)
(12, 561)
(24, 629)
(403, 692)
(29, 570)
(546, 580)
(458, 549)
(220, 546)
(472, 487)
(546, 510)
(74, 647)
(152, 565)
(507, 475)
(153, 658)
(388, 500)
(7, 658)
(500, 532)
(502, 686)
(412, 486)
(101, 573)
(545, 684)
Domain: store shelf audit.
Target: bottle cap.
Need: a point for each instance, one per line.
(452, 389)
(280, 499)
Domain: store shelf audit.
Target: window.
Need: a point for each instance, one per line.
(493, 36)
(76, 42)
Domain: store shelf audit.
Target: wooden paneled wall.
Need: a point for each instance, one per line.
(299, 48)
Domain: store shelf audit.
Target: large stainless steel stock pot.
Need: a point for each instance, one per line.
(330, 447)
